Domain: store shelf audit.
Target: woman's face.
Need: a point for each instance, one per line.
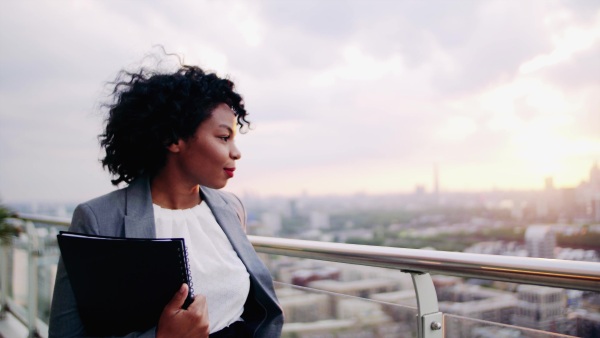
(208, 157)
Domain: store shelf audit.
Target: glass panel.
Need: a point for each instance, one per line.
(19, 282)
(6, 254)
(460, 327)
(17, 276)
(47, 263)
(329, 299)
(18, 271)
(312, 313)
(528, 307)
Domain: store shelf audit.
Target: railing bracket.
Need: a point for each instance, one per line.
(429, 318)
(431, 326)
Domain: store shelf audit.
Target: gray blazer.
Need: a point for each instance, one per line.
(128, 212)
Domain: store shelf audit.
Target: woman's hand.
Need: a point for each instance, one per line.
(177, 322)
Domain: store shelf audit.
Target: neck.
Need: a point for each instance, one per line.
(170, 193)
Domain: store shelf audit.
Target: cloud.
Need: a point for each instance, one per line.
(344, 94)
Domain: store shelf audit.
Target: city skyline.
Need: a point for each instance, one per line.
(346, 96)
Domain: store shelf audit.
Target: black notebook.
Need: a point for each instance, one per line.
(121, 285)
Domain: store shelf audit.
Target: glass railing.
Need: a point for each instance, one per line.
(34, 253)
(317, 313)
(313, 313)
(343, 290)
(458, 327)
(366, 292)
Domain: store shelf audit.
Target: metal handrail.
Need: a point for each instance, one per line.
(539, 271)
(527, 270)
(43, 219)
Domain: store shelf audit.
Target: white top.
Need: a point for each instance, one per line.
(217, 271)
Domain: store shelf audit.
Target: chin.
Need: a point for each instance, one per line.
(217, 186)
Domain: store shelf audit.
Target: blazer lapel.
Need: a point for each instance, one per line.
(139, 214)
(230, 223)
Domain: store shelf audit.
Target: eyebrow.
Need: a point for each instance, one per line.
(227, 127)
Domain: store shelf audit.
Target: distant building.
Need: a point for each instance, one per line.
(271, 220)
(294, 209)
(419, 190)
(303, 277)
(473, 301)
(595, 208)
(595, 177)
(549, 183)
(436, 183)
(269, 225)
(497, 248)
(304, 307)
(541, 308)
(319, 220)
(401, 306)
(577, 255)
(322, 328)
(540, 241)
(594, 193)
(495, 332)
(359, 288)
(441, 281)
(588, 193)
(363, 309)
(312, 315)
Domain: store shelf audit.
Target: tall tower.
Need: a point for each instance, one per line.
(592, 193)
(436, 183)
(549, 183)
(595, 177)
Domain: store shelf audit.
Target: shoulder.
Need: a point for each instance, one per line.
(107, 202)
(231, 200)
(92, 215)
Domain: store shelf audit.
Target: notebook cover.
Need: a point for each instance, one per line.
(121, 285)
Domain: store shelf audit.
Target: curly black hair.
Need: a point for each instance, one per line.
(153, 110)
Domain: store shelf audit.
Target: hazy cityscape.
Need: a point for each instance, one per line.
(325, 299)
(548, 223)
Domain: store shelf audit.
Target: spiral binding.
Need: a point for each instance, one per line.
(186, 269)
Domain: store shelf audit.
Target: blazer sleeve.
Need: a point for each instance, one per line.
(64, 316)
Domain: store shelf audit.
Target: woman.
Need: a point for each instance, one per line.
(170, 137)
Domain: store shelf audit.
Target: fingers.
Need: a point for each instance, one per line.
(199, 310)
(176, 322)
(178, 299)
(198, 305)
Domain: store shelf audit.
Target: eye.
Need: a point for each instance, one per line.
(225, 138)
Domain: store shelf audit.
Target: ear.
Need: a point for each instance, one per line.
(175, 147)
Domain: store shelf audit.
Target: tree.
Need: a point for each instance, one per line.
(7, 231)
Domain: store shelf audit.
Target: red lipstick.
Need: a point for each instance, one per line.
(229, 171)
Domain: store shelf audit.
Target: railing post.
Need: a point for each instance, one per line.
(4, 275)
(429, 317)
(33, 253)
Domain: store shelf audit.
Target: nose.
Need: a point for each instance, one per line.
(235, 152)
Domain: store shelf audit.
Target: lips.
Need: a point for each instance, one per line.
(229, 171)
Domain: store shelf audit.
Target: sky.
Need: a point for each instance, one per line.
(345, 96)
